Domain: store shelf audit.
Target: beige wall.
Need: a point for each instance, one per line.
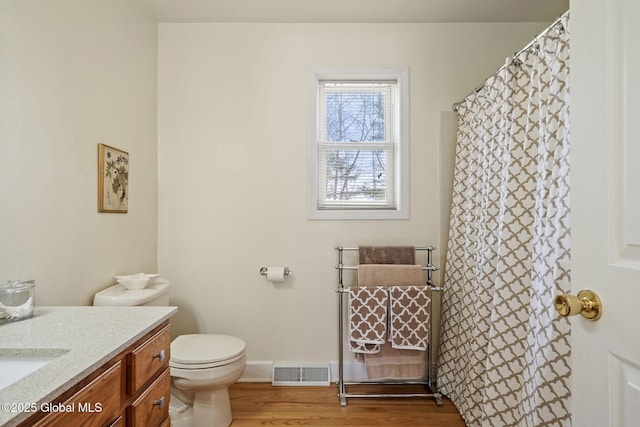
(231, 109)
(232, 114)
(74, 73)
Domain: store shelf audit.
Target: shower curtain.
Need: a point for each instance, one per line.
(504, 356)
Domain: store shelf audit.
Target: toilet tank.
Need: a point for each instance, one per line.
(156, 293)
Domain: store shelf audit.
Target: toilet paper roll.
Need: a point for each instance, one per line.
(275, 274)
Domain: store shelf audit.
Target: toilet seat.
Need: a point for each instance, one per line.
(203, 351)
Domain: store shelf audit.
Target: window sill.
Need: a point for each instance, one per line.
(357, 214)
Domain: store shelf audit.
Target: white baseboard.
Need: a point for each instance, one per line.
(257, 371)
(261, 371)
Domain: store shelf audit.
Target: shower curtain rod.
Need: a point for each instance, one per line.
(515, 59)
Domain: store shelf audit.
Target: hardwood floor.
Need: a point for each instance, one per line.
(261, 404)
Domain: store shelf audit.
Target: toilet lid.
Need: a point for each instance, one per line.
(200, 349)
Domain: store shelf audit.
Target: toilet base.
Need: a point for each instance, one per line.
(180, 409)
(212, 408)
(206, 391)
(181, 419)
(205, 409)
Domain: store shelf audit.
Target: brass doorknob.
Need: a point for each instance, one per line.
(586, 303)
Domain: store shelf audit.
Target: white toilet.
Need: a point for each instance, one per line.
(203, 366)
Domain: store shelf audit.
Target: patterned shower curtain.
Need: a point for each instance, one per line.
(504, 356)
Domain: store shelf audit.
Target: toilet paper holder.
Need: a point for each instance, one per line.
(264, 270)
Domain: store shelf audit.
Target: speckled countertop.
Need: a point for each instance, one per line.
(84, 338)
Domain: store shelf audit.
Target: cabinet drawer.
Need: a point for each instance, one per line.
(96, 404)
(117, 423)
(152, 407)
(146, 360)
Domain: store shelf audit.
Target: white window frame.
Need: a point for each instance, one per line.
(401, 156)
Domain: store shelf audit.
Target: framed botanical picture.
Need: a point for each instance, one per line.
(113, 179)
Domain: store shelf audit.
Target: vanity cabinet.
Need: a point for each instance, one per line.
(93, 405)
(130, 390)
(147, 359)
(151, 408)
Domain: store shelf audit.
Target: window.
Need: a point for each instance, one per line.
(358, 144)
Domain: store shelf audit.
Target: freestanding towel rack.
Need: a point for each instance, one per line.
(429, 379)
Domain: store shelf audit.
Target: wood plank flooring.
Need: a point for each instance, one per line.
(261, 404)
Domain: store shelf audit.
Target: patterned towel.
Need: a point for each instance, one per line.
(409, 317)
(367, 318)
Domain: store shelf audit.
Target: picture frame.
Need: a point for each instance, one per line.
(113, 179)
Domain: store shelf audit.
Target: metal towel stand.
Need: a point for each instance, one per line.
(429, 380)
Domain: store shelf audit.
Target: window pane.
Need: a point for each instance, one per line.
(354, 116)
(355, 175)
(358, 144)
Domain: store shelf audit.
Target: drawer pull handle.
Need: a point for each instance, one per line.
(159, 355)
(159, 402)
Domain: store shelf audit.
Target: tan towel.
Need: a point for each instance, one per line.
(394, 364)
(409, 313)
(390, 275)
(387, 254)
(367, 318)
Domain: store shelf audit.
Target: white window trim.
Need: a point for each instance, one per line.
(401, 75)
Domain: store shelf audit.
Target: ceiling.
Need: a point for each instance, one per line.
(392, 11)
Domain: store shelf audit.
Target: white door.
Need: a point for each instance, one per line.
(605, 162)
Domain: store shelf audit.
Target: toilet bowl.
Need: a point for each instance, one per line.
(202, 366)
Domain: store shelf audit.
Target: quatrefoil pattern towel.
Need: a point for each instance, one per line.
(367, 318)
(409, 316)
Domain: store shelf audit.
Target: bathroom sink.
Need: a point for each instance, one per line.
(17, 364)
